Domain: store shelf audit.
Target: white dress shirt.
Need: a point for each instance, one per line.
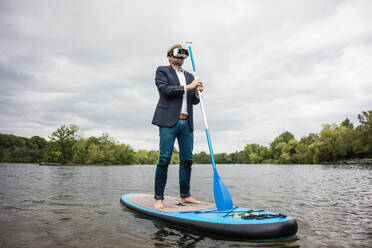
(182, 79)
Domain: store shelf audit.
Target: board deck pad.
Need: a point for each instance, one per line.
(171, 204)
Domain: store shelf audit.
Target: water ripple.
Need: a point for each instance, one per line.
(79, 206)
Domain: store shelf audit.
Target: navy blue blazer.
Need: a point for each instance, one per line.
(168, 109)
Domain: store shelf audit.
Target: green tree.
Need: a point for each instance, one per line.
(222, 158)
(124, 154)
(245, 156)
(153, 157)
(347, 123)
(141, 157)
(278, 143)
(301, 154)
(315, 152)
(311, 138)
(362, 145)
(53, 153)
(254, 158)
(283, 137)
(202, 158)
(80, 151)
(175, 157)
(146, 157)
(95, 155)
(285, 158)
(338, 141)
(20, 149)
(61, 142)
(288, 152)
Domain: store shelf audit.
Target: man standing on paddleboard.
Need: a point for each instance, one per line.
(174, 116)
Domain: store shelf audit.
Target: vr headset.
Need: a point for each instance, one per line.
(179, 53)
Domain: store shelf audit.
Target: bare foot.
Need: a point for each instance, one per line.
(189, 200)
(158, 204)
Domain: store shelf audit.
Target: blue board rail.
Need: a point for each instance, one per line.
(227, 223)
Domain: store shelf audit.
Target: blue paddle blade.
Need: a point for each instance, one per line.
(222, 195)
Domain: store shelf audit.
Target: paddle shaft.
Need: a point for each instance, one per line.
(203, 111)
(222, 195)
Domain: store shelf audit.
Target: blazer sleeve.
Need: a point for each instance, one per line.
(161, 81)
(195, 99)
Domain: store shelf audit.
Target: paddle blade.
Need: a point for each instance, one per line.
(222, 195)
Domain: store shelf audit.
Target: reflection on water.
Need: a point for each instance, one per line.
(43, 206)
(172, 236)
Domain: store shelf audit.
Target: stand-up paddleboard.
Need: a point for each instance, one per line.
(244, 223)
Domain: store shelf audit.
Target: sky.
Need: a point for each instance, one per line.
(267, 66)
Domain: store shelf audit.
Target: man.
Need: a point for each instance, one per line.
(174, 116)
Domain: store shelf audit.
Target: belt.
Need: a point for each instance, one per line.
(183, 117)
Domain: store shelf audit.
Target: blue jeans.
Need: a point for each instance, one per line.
(185, 138)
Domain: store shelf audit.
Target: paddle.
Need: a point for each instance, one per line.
(222, 195)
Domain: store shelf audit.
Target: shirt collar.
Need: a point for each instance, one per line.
(180, 70)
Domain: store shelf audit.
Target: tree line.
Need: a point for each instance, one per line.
(335, 142)
(332, 144)
(67, 147)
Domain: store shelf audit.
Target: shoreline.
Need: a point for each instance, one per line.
(342, 162)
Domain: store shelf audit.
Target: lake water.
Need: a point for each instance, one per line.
(48, 206)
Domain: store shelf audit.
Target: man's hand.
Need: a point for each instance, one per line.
(194, 84)
(199, 88)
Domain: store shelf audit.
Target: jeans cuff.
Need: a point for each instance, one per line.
(183, 196)
(158, 197)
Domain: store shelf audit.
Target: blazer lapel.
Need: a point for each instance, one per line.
(187, 77)
(188, 81)
(174, 74)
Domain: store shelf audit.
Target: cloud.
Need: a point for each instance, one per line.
(268, 66)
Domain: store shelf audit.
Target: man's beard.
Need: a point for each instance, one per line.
(178, 62)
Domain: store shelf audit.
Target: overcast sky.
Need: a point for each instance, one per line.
(267, 66)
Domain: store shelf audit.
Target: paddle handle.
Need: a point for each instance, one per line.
(202, 108)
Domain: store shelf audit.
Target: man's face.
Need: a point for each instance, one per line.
(175, 61)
